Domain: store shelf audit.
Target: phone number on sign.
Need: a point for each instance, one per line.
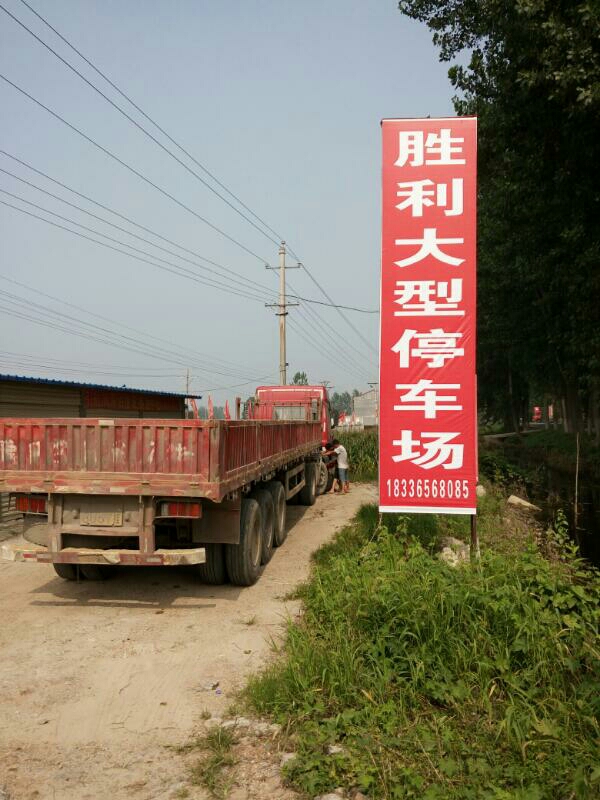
(445, 489)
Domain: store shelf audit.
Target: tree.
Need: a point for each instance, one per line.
(300, 379)
(341, 403)
(533, 79)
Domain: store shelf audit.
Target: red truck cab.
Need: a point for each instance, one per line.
(300, 403)
(305, 403)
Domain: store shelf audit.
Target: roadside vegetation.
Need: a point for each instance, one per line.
(214, 768)
(362, 448)
(408, 678)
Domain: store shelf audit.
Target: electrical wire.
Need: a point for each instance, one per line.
(125, 218)
(350, 324)
(317, 345)
(334, 305)
(179, 351)
(147, 133)
(23, 305)
(179, 203)
(163, 353)
(131, 169)
(209, 282)
(307, 311)
(180, 271)
(238, 275)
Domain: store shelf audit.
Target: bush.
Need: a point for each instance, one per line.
(477, 682)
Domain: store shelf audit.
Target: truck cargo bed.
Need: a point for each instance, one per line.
(158, 457)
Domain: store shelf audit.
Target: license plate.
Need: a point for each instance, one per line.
(107, 519)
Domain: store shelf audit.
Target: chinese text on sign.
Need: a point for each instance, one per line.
(428, 414)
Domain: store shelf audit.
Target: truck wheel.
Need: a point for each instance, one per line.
(280, 509)
(213, 570)
(68, 572)
(308, 493)
(95, 572)
(243, 559)
(323, 477)
(267, 512)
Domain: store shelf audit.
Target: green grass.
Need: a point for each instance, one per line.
(213, 770)
(480, 682)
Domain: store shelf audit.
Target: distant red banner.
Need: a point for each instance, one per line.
(428, 404)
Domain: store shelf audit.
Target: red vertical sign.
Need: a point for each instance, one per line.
(428, 414)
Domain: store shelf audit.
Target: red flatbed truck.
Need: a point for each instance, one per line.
(153, 492)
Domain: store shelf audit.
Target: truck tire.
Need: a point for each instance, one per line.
(35, 529)
(323, 477)
(243, 559)
(213, 571)
(68, 572)
(280, 512)
(308, 493)
(95, 572)
(267, 512)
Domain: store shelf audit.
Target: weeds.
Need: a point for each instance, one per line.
(214, 770)
(479, 684)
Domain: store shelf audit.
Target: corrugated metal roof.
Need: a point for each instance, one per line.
(78, 385)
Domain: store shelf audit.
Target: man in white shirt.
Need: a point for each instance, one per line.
(342, 466)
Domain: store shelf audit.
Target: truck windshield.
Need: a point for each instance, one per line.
(289, 412)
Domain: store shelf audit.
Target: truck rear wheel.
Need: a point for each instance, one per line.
(280, 512)
(308, 493)
(323, 477)
(243, 559)
(68, 572)
(213, 571)
(95, 572)
(267, 512)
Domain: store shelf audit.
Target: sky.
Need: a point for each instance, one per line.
(281, 102)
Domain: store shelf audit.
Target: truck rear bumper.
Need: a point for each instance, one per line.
(132, 558)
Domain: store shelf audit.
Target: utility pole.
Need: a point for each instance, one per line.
(282, 313)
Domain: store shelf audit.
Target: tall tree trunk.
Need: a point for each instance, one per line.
(511, 397)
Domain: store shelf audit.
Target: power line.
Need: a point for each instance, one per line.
(338, 307)
(209, 282)
(335, 305)
(326, 350)
(307, 310)
(155, 353)
(127, 219)
(131, 169)
(153, 122)
(23, 303)
(175, 200)
(238, 275)
(339, 310)
(230, 368)
(181, 271)
(319, 346)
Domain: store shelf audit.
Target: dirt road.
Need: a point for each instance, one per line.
(97, 679)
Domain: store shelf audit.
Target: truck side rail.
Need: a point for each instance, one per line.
(195, 458)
